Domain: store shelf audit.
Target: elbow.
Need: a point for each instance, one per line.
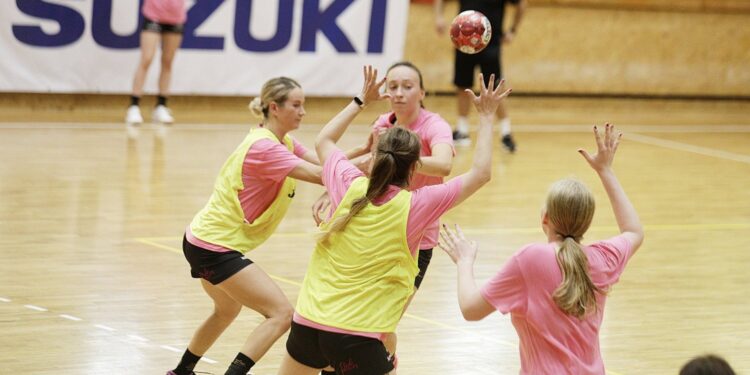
(470, 316)
(484, 176)
(445, 170)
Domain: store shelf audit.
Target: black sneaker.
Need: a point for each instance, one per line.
(509, 143)
(461, 139)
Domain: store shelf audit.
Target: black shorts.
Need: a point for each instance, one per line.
(425, 256)
(347, 354)
(488, 61)
(161, 28)
(213, 266)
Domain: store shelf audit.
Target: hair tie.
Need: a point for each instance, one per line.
(568, 236)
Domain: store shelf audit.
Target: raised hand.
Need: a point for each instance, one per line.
(457, 246)
(605, 148)
(490, 95)
(371, 87)
(321, 209)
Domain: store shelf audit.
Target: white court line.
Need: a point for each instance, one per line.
(3, 299)
(170, 348)
(37, 308)
(689, 148)
(627, 129)
(208, 360)
(106, 328)
(70, 317)
(137, 338)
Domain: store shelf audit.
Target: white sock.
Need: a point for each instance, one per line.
(505, 126)
(462, 125)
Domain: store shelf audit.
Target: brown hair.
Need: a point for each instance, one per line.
(274, 90)
(396, 155)
(707, 365)
(570, 209)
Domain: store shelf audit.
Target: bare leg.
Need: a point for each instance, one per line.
(291, 367)
(149, 40)
(464, 102)
(226, 310)
(170, 42)
(253, 288)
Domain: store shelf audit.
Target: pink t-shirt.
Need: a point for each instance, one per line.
(427, 204)
(171, 12)
(267, 164)
(432, 130)
(552, 342)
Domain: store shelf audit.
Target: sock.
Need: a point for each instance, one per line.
(240, 366)
(324, 372)
(505, 126)
(135, 100)
(187, 363)
(462, 125)
(161, 100)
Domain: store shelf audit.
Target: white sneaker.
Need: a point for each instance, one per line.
(162, 115)
(133, 117)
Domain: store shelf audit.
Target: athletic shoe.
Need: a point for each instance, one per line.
(162, 115)
(461, 139)
(134, 115)
(508, 143)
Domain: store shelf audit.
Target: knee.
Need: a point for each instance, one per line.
(283, 317)
(166, 64)
(146, 62)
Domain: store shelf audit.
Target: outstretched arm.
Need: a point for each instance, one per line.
(325, 144)
(625, 214)
(481, 170)
(463, 253)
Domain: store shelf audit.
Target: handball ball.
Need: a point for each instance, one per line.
(470, 31)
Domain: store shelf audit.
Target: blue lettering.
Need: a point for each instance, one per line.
(283, 28)
(101, 27)
(201, 10)
(377, 26)
(313, 19)
(71, 24)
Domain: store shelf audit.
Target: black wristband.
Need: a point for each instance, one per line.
(359, 102)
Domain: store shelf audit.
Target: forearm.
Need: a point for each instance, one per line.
(482, 162)
(356, 152)
(625, 214)
(518, 16)
(467, 290)
(336, 127)
(432, 166)
(438, 8)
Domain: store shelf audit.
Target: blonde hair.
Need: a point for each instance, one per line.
(570, 209)
(274, 90)
(396, 155)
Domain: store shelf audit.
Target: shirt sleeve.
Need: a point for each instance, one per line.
(270, 160)
(338, 174)
(440, 132)
(430, 202)
(506, 291)
(610, 257)
(299, 149)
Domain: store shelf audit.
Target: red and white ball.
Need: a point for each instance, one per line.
(470, 31)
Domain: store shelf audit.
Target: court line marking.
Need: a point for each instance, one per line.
(105, 328)
(688, 148)
(33, 307)
(70, 317)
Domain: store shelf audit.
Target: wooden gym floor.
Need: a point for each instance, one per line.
(92, 280)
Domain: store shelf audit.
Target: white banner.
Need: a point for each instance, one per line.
(230, 47)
